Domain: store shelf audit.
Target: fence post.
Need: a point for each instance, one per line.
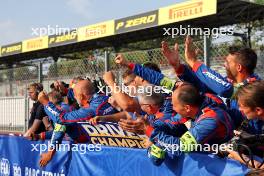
(207, 45)
(11, 78)
(40, 73)
(55, 59)
(107, 66)
(26, 113)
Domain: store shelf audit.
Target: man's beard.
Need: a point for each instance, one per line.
(230, 75)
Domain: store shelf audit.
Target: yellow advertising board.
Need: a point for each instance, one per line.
(35, 44)
(96, 31)
(11, 49)
(58, 40)
(136, 22)
(187, 10)
(174, 13)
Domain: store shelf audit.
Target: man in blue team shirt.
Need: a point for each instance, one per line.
(250, 99)
(74, 131)
(91, 104)
(130, 104)
(211, 124)
(240, 65)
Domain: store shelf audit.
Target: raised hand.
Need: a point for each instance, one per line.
(190, 52)
(171, 55)
(121, 60)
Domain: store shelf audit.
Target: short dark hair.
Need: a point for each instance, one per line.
(152, 66)
(37, 86)
(127, 73)
(151, 97)
(188, 94)
(56, 96)
(246, 57)
(252, 95)
(63, 83)
(78, 78)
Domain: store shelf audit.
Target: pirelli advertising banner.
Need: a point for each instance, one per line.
(11, 49)
(111, 134)
(35, 44)
(179, 12)
(187, 10)
(133, 23)
(96, 31)
(57, 40)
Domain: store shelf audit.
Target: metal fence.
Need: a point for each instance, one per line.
(13, 82)
(14, 111)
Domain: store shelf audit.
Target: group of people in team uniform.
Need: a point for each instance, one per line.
(202, 107)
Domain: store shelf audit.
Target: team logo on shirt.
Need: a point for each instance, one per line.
(52, 111)
(213, 77)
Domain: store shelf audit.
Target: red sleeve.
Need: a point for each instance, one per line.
(196, 65)
(180, 70)
(131, 66)
(149, 130)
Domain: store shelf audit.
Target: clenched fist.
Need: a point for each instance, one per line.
(121, 60)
